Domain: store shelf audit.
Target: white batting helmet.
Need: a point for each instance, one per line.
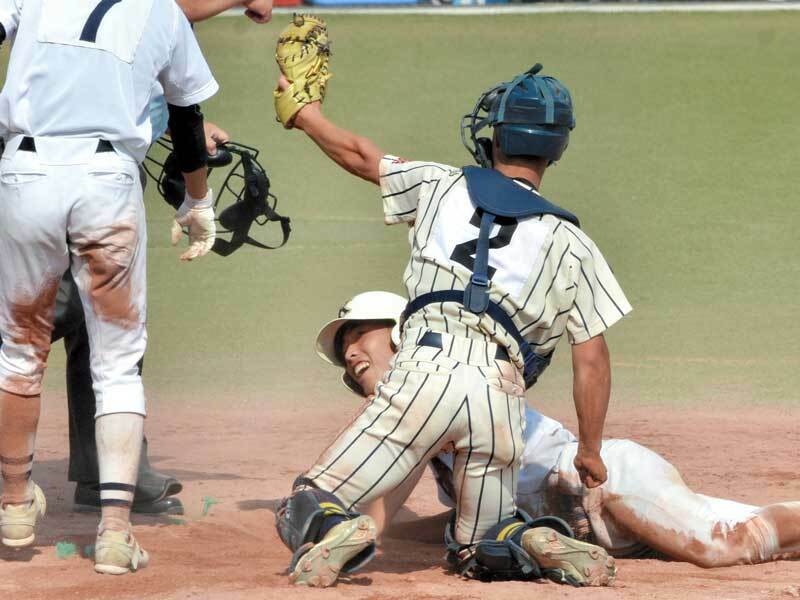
(368, 306)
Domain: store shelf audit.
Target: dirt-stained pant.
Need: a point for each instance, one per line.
(457, 397)
(645, 503)
(66, 205)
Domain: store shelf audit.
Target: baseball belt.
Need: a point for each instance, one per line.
(28, 144)
(434, 340)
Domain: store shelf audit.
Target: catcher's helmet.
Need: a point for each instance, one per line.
(368, 306)
(243, 198)
(531, 115)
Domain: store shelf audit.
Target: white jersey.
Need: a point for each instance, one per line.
(87, 68)
(546, 274)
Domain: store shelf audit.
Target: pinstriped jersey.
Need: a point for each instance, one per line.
(545, 272)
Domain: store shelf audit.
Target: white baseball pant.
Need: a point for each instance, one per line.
(67, 205)
(645, 502)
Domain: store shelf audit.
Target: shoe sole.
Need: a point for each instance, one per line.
(111, 569)
(117, 570)
(320, 566)
(12, 543)
(580, 563)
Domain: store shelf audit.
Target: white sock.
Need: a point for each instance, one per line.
(119, 444)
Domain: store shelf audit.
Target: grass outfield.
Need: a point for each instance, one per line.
(682, 168)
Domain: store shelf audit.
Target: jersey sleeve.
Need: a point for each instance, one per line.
(402, 185)
(187, 78)
(9, 16)
(599, 299)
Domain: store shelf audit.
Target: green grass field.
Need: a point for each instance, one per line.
(682, 168)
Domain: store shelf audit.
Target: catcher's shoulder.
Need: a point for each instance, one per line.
(391, 164)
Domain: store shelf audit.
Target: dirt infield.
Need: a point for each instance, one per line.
(235, 467)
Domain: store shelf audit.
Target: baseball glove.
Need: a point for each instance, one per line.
(302, 54)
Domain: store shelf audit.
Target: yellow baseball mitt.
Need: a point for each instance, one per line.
(302, 53)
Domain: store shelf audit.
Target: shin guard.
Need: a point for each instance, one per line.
(303, 519)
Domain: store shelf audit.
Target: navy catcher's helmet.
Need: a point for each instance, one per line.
(532, 116)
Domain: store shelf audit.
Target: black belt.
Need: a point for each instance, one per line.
(28, 144)
(434, 340)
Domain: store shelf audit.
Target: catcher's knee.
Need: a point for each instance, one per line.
(303, 519)
(499, 555)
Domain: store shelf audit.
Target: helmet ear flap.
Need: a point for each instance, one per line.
(483, 146)
(396, 335)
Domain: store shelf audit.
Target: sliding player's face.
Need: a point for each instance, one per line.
(367, 350)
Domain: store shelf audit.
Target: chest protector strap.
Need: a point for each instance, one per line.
(496, 195)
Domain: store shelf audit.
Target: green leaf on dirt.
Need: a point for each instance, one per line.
(66, 549)
(208, 502)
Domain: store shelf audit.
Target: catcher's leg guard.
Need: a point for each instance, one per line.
(326, 538)
(523, 548)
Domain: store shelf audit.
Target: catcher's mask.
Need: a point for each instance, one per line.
(531, 116)
(243, 199)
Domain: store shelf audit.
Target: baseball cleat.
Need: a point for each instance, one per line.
(566, 560)
(320, 566)
(118, 552)
(18, 521)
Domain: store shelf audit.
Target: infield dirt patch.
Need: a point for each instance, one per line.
(235, 467)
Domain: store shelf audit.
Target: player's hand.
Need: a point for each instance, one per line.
(215, 136)
(283, 83)
(198, 217)
(590, 467)
(304, 112)
(259, 11)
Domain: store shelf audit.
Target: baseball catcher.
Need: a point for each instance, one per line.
(497, 275)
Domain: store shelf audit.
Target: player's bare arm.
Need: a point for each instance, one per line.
(259, 11)
(591, 389)
(302, 56)
(354, 153)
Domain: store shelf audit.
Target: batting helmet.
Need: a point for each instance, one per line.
(244, 197)
(368, 306)
(531, 116)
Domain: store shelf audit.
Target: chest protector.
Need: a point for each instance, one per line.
(496, 195)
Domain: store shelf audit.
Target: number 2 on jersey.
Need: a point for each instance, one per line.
(89, 33)
(514, 245)
(464, 253)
